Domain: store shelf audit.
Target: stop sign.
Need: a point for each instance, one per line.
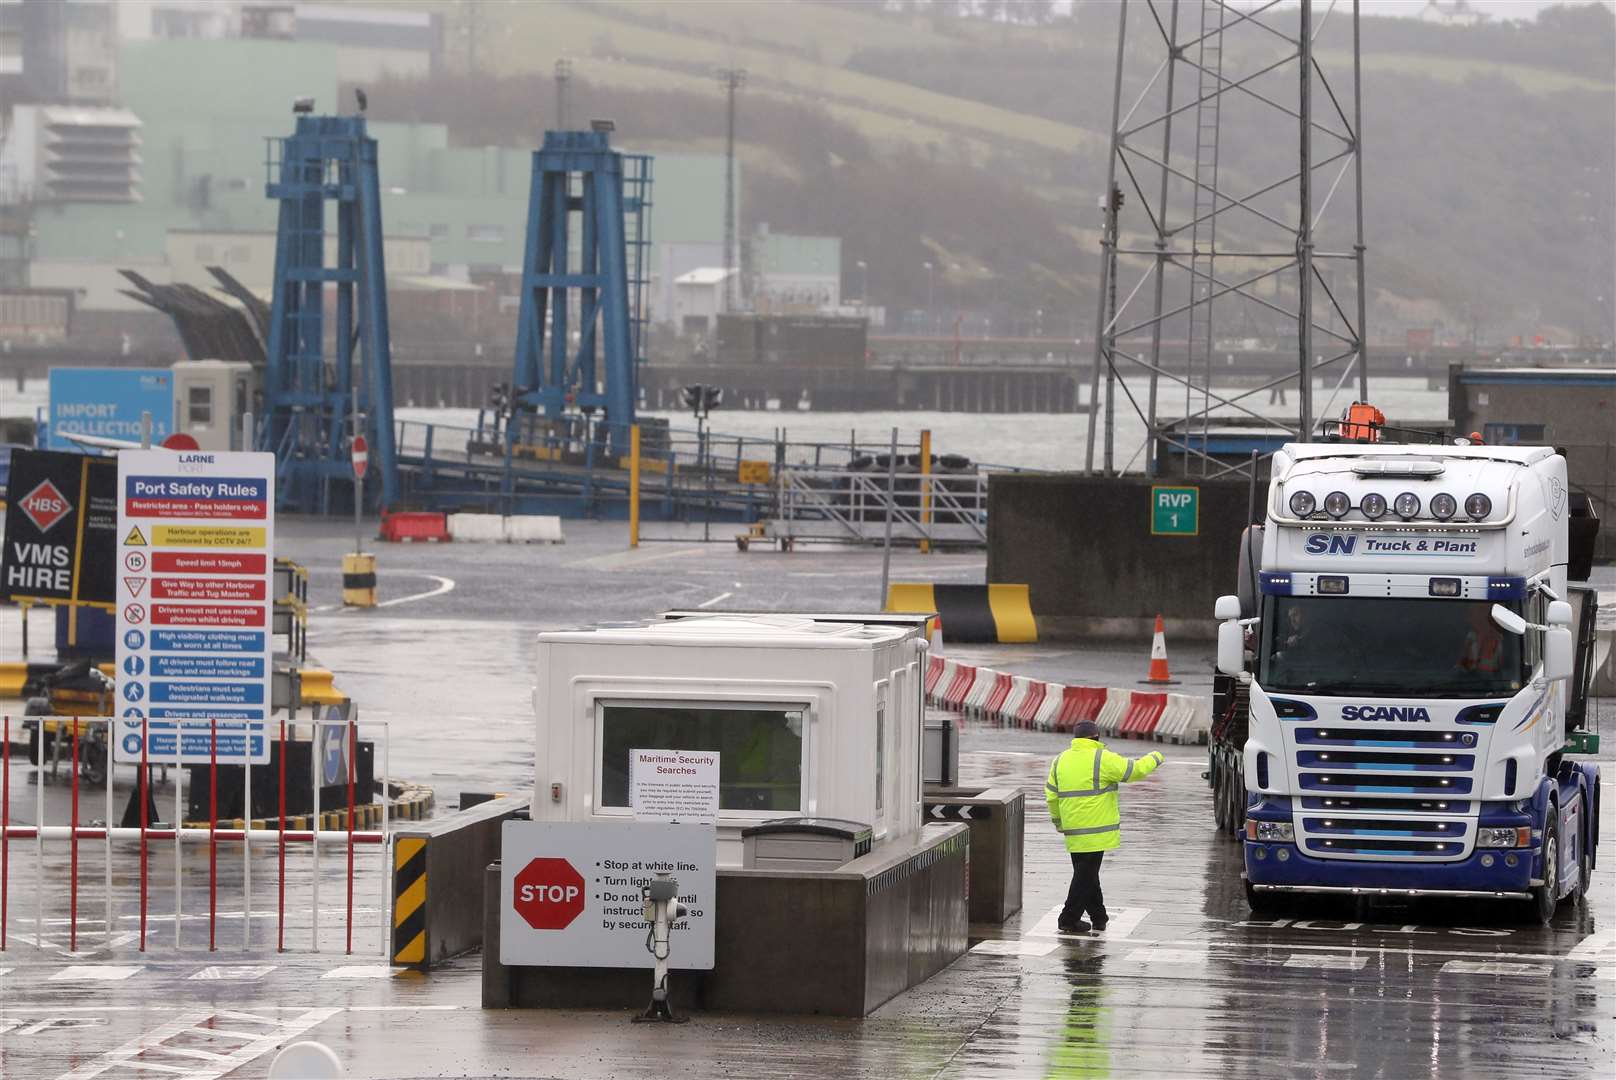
(548, 894)
(361, 456)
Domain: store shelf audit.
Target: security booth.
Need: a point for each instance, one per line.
(809, 719)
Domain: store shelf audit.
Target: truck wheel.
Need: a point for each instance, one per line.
(1220, 813)
(1545, 897)
(1585, 870)
(1237, 803)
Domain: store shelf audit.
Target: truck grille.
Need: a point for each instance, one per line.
(1386, 793)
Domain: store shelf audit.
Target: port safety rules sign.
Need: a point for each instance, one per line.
(195, 644)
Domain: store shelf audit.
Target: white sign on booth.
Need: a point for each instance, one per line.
(570, 893)
(195, 652)
(673, 785)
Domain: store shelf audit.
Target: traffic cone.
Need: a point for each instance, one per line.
(1158, 658)
(936, 648)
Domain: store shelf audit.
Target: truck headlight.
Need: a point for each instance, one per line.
(1273, 831)
(1302, 504)
(1487, 836)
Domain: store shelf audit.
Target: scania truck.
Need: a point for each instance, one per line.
(1395, 688)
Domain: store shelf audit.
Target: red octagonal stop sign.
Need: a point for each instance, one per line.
(548, 894)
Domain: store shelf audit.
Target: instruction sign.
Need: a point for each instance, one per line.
(107, 403)
(195, 653)
(570, 893)
(673, 785)
(1175, 511)
(55, 552)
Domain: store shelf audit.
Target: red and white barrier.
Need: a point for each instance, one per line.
(1144, 710)
(1019, 701)
(75, 834)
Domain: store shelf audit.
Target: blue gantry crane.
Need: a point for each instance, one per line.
(309, 401)
(588, 229)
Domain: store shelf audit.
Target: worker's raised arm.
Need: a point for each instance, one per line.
(1116, 769)
(1052, 793)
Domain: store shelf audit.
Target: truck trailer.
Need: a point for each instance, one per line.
(1400, 697)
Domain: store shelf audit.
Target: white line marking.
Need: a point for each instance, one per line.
(5, 971)
(1591, 946)
(1328, 963)
(719, 599)
(363, 971)
(145, 1052)
(1168, 956)
(236, 972)
(1016, 948)
(444, 585)
(1494, 967)
(1124, 921)
(95, 973)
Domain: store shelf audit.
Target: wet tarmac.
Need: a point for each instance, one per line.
(1184, 983)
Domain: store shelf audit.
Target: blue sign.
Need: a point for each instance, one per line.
(134, 639)
(107, 403)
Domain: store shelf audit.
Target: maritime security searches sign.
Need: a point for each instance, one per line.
(570, 892)
(673, 785)
(195, 562)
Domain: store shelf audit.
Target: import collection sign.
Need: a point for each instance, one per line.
(107, 403)
(570, 893)
(195, 558)
(1175, 511)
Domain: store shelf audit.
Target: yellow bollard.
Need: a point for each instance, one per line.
(359, 580)
(634, 486)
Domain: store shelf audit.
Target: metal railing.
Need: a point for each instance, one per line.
(839, 506)
(177, 834)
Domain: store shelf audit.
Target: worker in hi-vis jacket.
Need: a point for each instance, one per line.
(1082, 793)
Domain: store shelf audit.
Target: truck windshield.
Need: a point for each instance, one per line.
(1387, 646)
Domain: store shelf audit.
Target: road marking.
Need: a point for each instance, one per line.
(4, 971)
(445, 585)
(1016, 948)
(1590, 947)
(1328, 963)
(719, 599)
(95, 973)
(1124, 921)
(1494, 967)
(236, 972)
(363, 971)
(619, 559)
(1153, 955)
(255, 1035)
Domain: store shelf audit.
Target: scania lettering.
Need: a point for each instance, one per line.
(1396, 709)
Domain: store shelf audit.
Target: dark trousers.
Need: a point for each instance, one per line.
(1084, 894)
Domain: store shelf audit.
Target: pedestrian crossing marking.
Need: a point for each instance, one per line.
(233, 972)
(95, 973)
(1327, 962)
(1494, 967)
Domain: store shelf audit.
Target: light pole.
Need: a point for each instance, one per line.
(731, 79)
(931, 318)
(563, 79)
(864, 283)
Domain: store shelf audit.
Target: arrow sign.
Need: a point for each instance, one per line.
(951, 811)
(361, 456)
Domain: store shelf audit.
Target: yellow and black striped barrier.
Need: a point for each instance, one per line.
(359, 580)
(409, 901)
(977, 613)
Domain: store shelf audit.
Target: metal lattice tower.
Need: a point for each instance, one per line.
(588, 230)
(1246, 235)
(732, 79)
(309, 401)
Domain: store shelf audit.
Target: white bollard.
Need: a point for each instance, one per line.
(305, 1061)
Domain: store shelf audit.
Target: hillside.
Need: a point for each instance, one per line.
(978, 144)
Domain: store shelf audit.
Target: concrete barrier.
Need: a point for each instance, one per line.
(975, 613)
(838, 942)
(960, 684)
(405, 527)
(993, 704)
(1144, 710)
(438, 881)
(981, 689)
(1080, 703)
(935, 666)
(997, 819)
(498, 529)
(1049, 709)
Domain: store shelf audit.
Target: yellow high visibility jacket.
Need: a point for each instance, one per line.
(1082, 792)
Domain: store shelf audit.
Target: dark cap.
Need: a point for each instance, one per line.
(1086, 729)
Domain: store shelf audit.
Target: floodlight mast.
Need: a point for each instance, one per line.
(1276, 234)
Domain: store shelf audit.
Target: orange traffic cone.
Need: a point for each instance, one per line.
(1158, 658)
(937, 636)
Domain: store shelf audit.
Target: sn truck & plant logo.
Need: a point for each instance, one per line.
(45, 506)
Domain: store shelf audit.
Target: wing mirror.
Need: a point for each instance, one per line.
(1507, 621)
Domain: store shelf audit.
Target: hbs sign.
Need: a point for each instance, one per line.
(107, 402)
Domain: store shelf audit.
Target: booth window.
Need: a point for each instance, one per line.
(199, 405)
(759, 746)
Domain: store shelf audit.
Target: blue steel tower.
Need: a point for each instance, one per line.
(577, 172)
(308, 399)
